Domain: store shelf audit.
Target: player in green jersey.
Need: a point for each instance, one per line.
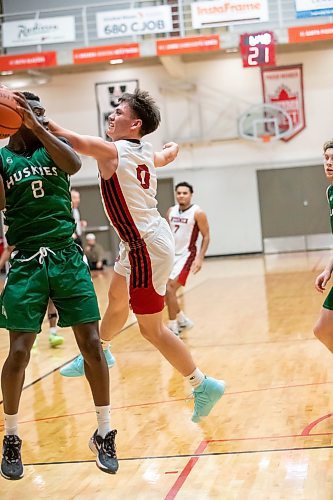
(323, 329)
(34, 190)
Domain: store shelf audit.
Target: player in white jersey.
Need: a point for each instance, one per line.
(128, 187)
(187, 221)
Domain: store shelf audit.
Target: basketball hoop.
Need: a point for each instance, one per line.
(264, 123)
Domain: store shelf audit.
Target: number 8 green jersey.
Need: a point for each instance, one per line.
(38, 202)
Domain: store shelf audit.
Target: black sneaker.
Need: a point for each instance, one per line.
(11, 464)
(105, 449)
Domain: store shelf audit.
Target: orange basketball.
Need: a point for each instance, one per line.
(10, 118)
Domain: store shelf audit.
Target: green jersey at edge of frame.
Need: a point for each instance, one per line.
(38, 209)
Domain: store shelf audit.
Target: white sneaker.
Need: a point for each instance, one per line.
(174, 329)
(185, 323)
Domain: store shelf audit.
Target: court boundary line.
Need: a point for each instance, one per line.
(306, 432)
(188, 455)
(175, 488)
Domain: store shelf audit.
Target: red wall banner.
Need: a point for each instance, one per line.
(27, 61)
(301, 34)
(283, 86)
(106, 53)
(170, 46)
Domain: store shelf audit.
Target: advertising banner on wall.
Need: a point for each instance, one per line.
(313, 8)
(108, 53)
(186, 45)
(301, 34)
(219, 12)
(107, 96)
(38, 31)
(131, 22)
(283, 87)
(27, 61)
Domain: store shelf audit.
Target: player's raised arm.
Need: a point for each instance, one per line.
(85, 144)
(167, 155)
(202, 221)
(33, 118)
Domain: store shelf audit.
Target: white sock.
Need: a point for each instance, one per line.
(196, 378)
(172, 323)
(53, 330)
(181, 317)
(103, 420)
(11, 424)
(105, 344)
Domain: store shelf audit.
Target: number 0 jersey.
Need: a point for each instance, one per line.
(38, 201)
(129, 196)
(184, 228)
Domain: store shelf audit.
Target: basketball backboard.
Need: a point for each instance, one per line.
(264, 123)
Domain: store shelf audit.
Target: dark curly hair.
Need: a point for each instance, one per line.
(30, 96)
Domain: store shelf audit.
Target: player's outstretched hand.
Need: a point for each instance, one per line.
(29, 118)
(322, 280)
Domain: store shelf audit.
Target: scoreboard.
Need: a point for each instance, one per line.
(257, 49)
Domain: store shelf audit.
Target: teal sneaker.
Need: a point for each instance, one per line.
(55, 340)
(206, 396)
(109, 357)
(76, 367)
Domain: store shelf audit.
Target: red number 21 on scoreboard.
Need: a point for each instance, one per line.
(258, 49)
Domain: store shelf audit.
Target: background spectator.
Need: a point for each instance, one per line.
(80, 224)
(94, 253)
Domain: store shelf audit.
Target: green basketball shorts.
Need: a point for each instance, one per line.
(33, 278)
(328, 304)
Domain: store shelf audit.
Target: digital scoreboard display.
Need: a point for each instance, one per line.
(257, 49)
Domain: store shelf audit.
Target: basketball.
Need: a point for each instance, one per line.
(10, 118)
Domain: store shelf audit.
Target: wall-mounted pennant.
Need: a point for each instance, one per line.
(283, 87)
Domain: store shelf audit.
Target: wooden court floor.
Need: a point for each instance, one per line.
(270, 437)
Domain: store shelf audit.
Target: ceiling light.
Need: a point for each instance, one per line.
(6, 73)
(116, 61)
(17, 83)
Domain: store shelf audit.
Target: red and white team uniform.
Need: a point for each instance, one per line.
(146, 249)
(185, 231)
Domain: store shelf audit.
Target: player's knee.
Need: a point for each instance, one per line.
(91, 349)
(117, 301)
(117, 309)
(19, 356)
(150, 334)
(321, 331)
